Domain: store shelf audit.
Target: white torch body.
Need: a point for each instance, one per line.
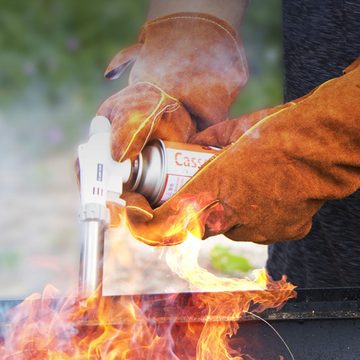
(101, 180)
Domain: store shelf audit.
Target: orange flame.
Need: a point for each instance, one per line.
(176, 327)
(186, 214)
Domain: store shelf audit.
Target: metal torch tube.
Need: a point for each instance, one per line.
(91, 259)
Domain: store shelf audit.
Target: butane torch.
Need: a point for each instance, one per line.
(158, 172)
(101, 181)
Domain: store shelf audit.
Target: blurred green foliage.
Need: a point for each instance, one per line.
(71, 41)
(56, 42)
(9, 259)
(53, 53)
(224, 260)
(262, 35)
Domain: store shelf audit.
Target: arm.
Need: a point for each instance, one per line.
(268, 183)
(231, 11)
(187, 71)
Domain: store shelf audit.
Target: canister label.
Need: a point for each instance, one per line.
(182, 162)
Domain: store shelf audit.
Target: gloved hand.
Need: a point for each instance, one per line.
(140, 113)
(270, 180)
(184, 63)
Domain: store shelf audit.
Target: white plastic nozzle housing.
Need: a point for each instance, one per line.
(101, 177)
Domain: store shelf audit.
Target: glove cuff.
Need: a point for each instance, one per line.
(192, 17)
(196, 58)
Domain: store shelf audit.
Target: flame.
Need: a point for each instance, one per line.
(187, 214)
(183, 261)
(155, 327)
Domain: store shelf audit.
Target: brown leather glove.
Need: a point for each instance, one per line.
(269, 182)
(140, 113)
(184, 63)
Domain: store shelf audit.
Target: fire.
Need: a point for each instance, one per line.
(188, 214)
(155, 327)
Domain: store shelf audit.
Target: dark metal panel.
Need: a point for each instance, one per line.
(308, 340)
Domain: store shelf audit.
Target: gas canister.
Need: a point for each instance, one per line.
(163, 167)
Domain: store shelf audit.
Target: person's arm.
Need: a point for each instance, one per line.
(231, 11)
(272, 177)
(187, 69)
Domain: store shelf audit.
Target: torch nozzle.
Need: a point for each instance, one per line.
(91, 259)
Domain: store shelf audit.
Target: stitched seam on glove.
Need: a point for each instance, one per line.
(153, 116)
(292, 104)
(137, 208)
(223, 152)
(262, 121)
(176, 105)
(150, 242)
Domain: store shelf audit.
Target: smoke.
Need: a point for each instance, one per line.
(183, 260)
(38, 323)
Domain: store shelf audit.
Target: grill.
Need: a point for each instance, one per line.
(320, 324)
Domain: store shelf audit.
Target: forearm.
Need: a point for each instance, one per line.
(231, 11)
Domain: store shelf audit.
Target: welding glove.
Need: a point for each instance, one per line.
(184, 62)
(140, 113)
(270, 180)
